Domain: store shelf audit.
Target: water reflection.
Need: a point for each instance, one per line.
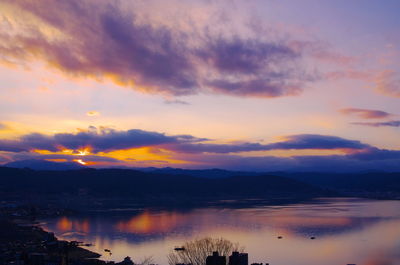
(346, 231)
(69, 225)
(151, 223)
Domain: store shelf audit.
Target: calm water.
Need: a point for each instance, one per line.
(364, 232)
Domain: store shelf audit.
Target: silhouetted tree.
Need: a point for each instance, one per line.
(196, 251)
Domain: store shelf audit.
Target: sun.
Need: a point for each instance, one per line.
(80, 161)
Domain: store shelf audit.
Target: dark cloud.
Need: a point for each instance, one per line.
(101, 39)
(376, 154)
(301, 141)
(316, 141)
(379, 124)
(244, 56)
(366, 113)
(264, 87)
(102, 140)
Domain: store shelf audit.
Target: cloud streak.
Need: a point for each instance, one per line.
(379, 124)
(293, 142)
(366, 113)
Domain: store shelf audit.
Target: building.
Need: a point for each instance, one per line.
(238, 258)
(216, 259)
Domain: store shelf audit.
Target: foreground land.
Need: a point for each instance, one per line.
(21, 243)
(24, 242)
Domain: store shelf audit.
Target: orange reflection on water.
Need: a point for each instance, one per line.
(147, 223)
(66, 225)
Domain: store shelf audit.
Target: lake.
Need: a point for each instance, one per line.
(358, 231)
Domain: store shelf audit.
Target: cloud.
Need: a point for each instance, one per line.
(293, 142)
(376, 154)
(105, 139)
(92, 113)
(92, 158)
(2, 126)
(316, 141)
(366, 113)
(350, 74)
(102, 39)
(388, 82)
(190, 151)
(99, 140)
(244, 56)
(379, 124)
(175, 101)
(385, 82)
(263, 87)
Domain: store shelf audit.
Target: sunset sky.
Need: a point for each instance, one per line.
(244, 85)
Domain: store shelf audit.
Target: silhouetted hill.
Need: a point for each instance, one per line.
(124, 183)
(367, 184)
(202, 173)
(44, 165)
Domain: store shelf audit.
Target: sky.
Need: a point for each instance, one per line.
(310, 85)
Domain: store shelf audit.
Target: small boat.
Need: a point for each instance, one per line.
(179, 248)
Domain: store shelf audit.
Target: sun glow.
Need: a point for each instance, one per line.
(80, 161)
(83, 152)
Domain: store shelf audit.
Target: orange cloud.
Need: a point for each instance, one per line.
(92, 113)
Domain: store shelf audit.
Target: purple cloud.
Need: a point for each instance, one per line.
(293, 142)
(263, 87)
(100, 39)
(316, 141)
(245, 56)
(366, 113)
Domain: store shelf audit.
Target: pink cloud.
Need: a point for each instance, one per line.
(366, 113)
